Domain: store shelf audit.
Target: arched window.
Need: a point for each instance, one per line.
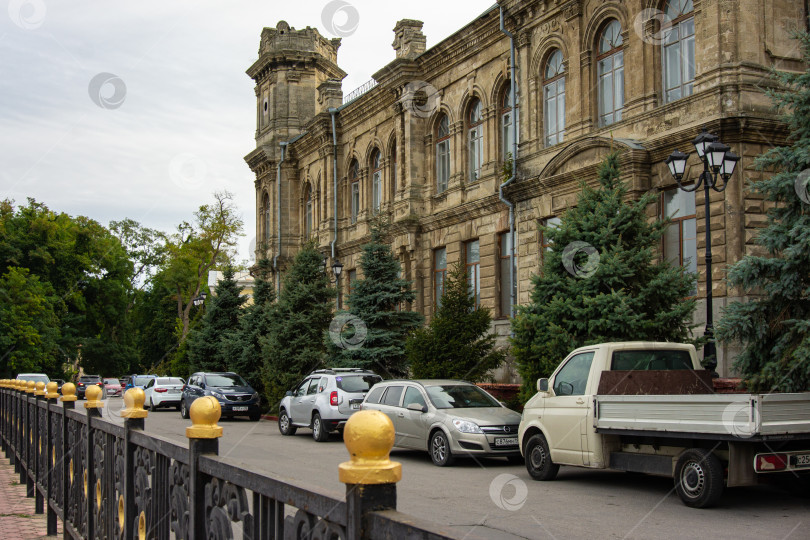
(507, 117)
(475, 132)
(679, 50)
(610, 70)
(266, 219)
(376, 181)
(554, 98)
(308, 212)
(442, 154)
(354, 188)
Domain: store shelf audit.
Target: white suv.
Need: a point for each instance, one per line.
(324, 401)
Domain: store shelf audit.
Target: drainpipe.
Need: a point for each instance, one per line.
(333, 112)
(513, 98)
(283, 146)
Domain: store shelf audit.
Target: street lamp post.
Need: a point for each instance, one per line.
(337, 268)
(199, 300)
(718, 163)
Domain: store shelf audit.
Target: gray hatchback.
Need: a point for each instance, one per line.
(324, 401)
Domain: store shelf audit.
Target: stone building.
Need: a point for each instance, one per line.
(428, 142)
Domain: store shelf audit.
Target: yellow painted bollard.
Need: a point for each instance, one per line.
(68, 392)
(133, 404)
(93, 395)
(31, 387)
(51, 391)
(203, 438)
(39, 389)
(205, 413)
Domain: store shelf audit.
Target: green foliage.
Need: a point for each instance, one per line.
(294, 346)
(774, 326)
(374, 300)
(255, 323)
(457, 344)
(628, 295)
(210, 346)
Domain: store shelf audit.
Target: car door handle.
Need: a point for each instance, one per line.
(580, 401)
(401, 415)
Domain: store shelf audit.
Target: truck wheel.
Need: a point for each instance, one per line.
(699, 478)
(538, 459)
(440, 449)
(319, 431)
(285, 426)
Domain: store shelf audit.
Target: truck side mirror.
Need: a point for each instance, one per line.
(542, 385)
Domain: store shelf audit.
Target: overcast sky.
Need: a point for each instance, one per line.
(143, 109)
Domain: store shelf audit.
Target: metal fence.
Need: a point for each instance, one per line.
(109, 481)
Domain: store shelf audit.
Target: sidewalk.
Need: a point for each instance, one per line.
(17, 518)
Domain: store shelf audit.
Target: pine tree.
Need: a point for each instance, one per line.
(294, 346)
(255, 323)
(602, 280)
(457, 344)
(774, 327)
(373, 305)
(210, 346)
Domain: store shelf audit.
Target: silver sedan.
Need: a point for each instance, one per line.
(447, 418)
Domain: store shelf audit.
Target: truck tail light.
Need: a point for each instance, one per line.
(333, 398)
(770, 462)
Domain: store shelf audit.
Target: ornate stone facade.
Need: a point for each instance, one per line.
(683, 65)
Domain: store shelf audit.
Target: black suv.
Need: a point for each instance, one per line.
(236, 397)
(88, 380)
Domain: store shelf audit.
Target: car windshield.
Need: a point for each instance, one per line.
(141, 381)
(459, 396)
(356, 383)
(225, 379)
(111, 381)
(169, 380)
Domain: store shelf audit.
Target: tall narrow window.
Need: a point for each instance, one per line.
(474, 270)
(439, 273)
(554, 98)
(679, 50)
(393, 169)
(507, 117)
(352, 278)
(308, 213)
(680, 238)
(442, 155)
(610, 69)
(266, 220)
(545, 242)
(354, 183)
(475, 131)
(505, 250)
(376, 182)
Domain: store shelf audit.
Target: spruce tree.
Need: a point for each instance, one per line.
(376, 305)
(602, 280)
(774, 326)
(255, 323)
(294, 346)
(457, 344)
(210, 346)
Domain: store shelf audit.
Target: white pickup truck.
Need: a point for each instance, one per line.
(703, 440)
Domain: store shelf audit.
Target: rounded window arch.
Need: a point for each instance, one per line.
(376, 181)
(554, 98)
(610, 73)
(508, 116)
(475, 138)
(354, 190)
(442, 153)
(678, 50)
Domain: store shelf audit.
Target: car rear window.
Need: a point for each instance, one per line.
(141, 381)
(111, 381)
(169, 380)
(651, 360)
(89, 379)
(356, 383)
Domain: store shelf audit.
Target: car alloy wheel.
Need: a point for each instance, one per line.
(440, 449)
(184, 410)
(285, 427)
(318, 432)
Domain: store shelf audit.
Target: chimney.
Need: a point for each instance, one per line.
(409, 41)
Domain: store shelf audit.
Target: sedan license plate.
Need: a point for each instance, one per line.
(802, 460)
(506, 441)
(240, 409)
(174, 390)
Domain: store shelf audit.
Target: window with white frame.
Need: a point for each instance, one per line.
(442, 154)
(473, 255)
(680, 237)
(354, 183)
(376, 182)
(610, 71)
(554, 98)
(679, 50)
(475, 131)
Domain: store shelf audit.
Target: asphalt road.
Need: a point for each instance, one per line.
(492, 499)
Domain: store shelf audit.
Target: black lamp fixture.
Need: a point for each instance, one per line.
(199, 300)
(337, 269)
(719, 163)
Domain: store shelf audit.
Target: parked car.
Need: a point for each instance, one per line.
(324, 401)
(236, 397)
(112, 387)
(36, 377)
(125, 382)
(447, 418)
(139, 381)
(88, 380)
(163, 392)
